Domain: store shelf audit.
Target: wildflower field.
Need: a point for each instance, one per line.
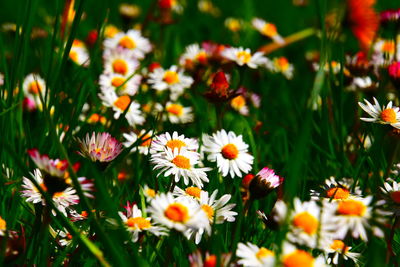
(200, 133)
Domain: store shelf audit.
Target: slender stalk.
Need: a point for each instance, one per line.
(298, 36)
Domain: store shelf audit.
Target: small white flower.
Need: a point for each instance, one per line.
(143, 146)
(180, 163)
(61, 200)
(251, 255)
(164, 141)
(119, 61)
(229, 151)
(119, 104)
(182, 214)
(267, 29)
(172, 79)
(383, 115)
(132, 41)
(119, 83)
(217, 211)
(135, 223)
(244, 57)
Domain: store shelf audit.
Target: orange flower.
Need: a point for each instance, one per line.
(364, 21)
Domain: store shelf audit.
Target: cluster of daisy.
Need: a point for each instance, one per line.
(322, 226)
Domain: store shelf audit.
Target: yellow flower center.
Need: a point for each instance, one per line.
(395, 195)
(269, 30)
(208, 210)
(193, 191)
(120, 66)
(233, 25)
(238, 102)
(351, 208)
(177, 212)
(43, 186)
(244, 56)
(138, 223)
(181, 162)
(73, 55)
(34, 87)
(110, 31)
(58, 194)
(171, 77)
(202, 57)
(122, 102)
(282, 63)
(230, 151)
(338, 193)
(117, 81)
(175, 143)
(151, 192)
(175, 109)
(147, 143)
(389, 115)
(339, 246)
(127, 42)
(307, 222)
(298, 258)
(3, 224)
(264, 253)
(389, 47)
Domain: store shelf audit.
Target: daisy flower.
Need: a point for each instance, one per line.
(119, 61)
(193, 55)
(391, 190)
(180, 163)
(53, 167)
(383, 115)
(229, 151)
(267, 29)
(144, 146)
(33, 86)
(217, 211)
(3, 226)
(101, 147)
(135, 223)
(336, 249)
(210, 260)
(172, 141)
(177, 214)
(244, 57)
(352, 215)
(309, 225)
(294, 257)
(172, 79)
(280, 65)
(233, 24)
(65, 238)
(254, 256)
(238, 103)
(110, 31)
(384, 52)
(79, 53)
(120, 83)
(264, 182)
(149, 193)
(62, 199)
(191, 191)
(176, 113)
(336, 190)
(131, 41)
(119, 104)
